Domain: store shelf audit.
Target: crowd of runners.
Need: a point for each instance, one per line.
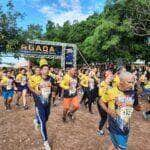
(115, 92)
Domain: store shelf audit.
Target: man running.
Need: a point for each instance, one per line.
(69, 85)
(42, 97)
(118, 102)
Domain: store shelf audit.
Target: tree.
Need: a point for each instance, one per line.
(50, 31)
(120, 33)
(9, 35)
(81, 30)
(33, 32)
(64, 32)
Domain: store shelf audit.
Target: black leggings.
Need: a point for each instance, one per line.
(103, 115)
(136, 100)
(85, 92)
(91, 98)
(59, 91)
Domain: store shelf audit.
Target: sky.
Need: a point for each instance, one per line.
(58, 11)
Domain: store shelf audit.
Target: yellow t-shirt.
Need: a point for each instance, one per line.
(52, 75)
(19, 77)
(110, 97)
(84, 80)
(34, 81)
(69, 85)
(122, 103)
(65, 82)
(4, 80)
(103, 88)
(7, 82)
(80, 75)
(142, 78)
(22, 79)
(147, 86)
(116, 81)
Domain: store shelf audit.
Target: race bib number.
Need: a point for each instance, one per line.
(9, 85)
(46, 92)
(72, 92)
(126, 113)
(24, 81)
(73, 89)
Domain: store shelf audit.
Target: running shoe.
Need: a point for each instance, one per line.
(25, 107)
(17, 104)
(71, 116)
(64, 119)
(146, 116)
(47, 146)
(100, 132)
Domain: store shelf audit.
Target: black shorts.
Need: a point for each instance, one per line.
(22, 87)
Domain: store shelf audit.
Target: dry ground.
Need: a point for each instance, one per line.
(17, 131)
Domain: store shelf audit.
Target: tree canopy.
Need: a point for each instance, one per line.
(119, 32)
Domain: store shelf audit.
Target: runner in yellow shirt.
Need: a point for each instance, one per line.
(116, 80)
(21, 82)
(90, 92)
(53, 75)
(142, 80)
(84, 79)
(35, 79)
(69, 85)
(8, 87)
(41, 89)
(104, 86)
(59, 79)
(119, 102)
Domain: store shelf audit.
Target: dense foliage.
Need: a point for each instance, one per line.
(119, 32)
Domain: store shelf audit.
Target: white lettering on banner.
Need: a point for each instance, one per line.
(40, 48)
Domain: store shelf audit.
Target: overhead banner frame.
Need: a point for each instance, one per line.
(66, 52)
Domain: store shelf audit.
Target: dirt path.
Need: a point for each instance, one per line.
(17, 131)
